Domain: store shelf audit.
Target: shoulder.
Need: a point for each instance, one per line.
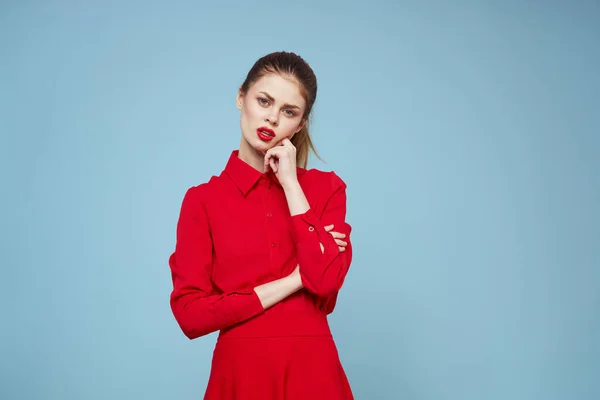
(196, 195)
(328, 181)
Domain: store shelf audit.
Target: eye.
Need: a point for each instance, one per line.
(290, 113)
(263, 101)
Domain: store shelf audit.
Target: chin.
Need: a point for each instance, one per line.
(260, 148)
(258, 145)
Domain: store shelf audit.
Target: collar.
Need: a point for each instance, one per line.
(245, 176)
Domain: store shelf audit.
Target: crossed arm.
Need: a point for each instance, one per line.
(273, 292)
(324, 257)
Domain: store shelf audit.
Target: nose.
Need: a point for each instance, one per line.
(272, 120)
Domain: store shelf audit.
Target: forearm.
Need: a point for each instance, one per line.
(297, 202)
(199, 314)
(323, 265)
(273, 292)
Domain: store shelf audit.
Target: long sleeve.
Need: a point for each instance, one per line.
(323, 272)
(327, 304)
(197, 309)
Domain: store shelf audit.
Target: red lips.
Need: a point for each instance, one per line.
(265, 134)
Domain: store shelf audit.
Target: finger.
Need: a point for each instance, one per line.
(276, 150)
(270, 155)
(342, 248)
(341, 242)
(337, 235)
(281, 151)
(273, 165)
(284, 148)
(328, 228)
(288, 143)
(289, 147)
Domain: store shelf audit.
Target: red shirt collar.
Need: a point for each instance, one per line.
(245, 176)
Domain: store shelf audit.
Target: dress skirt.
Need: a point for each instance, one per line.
(278, 355)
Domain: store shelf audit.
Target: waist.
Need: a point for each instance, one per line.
(295, 316)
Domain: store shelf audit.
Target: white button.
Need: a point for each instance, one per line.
(310, 228)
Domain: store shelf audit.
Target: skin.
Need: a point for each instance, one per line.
(275, 101)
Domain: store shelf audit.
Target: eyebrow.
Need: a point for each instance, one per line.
(285, 105)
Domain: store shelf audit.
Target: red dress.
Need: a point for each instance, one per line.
(234, 233)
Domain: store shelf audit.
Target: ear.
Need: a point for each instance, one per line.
(239, 100)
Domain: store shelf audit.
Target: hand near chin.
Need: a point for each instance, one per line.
(281, 159)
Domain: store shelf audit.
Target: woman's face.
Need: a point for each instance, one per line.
(271, 111)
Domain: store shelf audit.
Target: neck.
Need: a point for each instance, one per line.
(251, 156)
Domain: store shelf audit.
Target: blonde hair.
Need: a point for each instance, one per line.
(303, 144)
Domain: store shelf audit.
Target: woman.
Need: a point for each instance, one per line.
(263, 249)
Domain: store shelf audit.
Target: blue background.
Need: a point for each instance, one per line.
(468, 133)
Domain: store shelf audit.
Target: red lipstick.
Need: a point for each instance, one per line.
(265, 134)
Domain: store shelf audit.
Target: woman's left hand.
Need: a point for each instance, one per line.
(282, 160)
(338, 236)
